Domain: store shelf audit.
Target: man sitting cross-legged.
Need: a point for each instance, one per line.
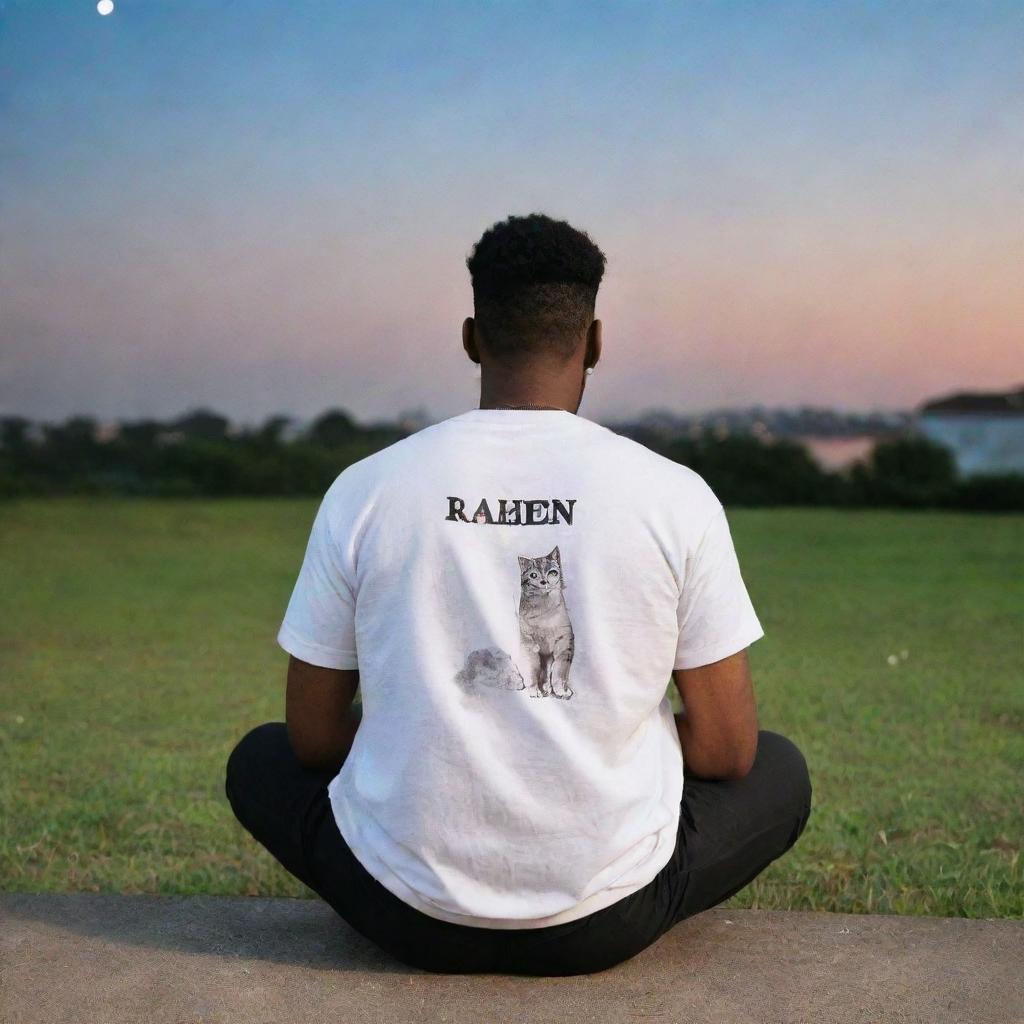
(514, 793)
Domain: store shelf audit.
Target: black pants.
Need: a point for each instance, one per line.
(729, 832)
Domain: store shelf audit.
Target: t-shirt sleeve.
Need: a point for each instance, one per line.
(716, 616)
(319, 623)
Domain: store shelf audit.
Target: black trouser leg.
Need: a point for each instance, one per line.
(273, 796)
(286, 808)
(731, 830)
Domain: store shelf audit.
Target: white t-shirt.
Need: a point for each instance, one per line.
(515, 588)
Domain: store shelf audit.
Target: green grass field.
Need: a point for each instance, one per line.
(137, 644)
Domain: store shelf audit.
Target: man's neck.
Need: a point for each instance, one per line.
(555, 391)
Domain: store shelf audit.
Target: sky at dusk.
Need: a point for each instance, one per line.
(266, 207)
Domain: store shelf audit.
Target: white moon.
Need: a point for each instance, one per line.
(105, 6)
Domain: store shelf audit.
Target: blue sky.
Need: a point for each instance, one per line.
(266, 207)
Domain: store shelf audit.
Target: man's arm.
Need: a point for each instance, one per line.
(320, 715)
(718, 726)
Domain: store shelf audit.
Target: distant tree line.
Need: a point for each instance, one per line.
(199, 454)
(900, 472)
(195, 455)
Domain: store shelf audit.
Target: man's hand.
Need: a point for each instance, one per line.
(718, 726)
(321, 719)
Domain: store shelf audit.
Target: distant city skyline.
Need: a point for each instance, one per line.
(266, 208)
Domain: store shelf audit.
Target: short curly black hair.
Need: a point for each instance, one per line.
(535, 282)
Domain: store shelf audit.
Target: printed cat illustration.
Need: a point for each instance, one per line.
(544, 626)
(545, 633)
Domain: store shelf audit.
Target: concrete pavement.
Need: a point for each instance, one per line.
(86, 958)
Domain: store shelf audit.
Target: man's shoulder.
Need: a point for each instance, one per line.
(676, 476)
(362, 475)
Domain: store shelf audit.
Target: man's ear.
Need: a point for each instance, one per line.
(593, 350)
(469, 339)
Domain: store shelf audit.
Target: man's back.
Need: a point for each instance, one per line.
(515, 588)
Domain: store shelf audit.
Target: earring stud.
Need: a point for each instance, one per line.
(589, 369)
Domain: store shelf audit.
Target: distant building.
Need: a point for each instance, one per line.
(984, 431)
